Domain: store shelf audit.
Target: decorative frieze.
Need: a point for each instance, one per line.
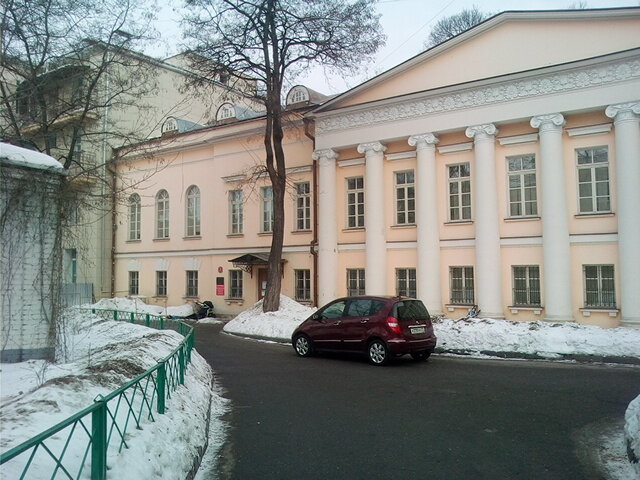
(543, 84)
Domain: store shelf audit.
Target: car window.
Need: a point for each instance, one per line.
(334, 310)
(363, 307)
(410, 310)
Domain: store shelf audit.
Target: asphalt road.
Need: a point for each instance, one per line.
(337, 417)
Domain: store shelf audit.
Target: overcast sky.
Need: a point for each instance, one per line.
(406, 23)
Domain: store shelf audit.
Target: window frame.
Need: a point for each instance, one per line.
(407, 286)
(302, 284)
(162, 214)
(601, 303)
(593, 181)
(303, 207)
(408, 190)
(528, 208)
(161, 283)
(135, 212)
(358, 192)
(191, 290)
(359, 279)
(530, 280)
(460, 195)
(236, 285)
(134, 283)
(465, 288)
(236, 212)
(266, 209)
(193, 212)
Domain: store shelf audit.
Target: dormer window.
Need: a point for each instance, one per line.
(170, 125)
(225, 112)
(298, 94)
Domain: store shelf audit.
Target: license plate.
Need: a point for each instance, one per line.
(417, 330)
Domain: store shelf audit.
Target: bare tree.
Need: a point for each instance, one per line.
(453, 25)
(272, 41)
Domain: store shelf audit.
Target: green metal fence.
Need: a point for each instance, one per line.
(77, 447)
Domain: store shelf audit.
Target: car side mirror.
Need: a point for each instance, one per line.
(315, 316)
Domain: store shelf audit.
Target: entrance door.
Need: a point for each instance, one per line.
(262, 282)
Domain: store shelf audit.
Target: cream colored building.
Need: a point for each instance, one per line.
(499, 168)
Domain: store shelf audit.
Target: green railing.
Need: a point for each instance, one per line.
(77, 447)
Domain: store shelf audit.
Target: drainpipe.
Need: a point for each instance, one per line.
(314, 242)
(112, 170)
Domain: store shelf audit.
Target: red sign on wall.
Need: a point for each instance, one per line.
(220, 290)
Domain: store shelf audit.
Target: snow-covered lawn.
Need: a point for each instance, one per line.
(99, 356)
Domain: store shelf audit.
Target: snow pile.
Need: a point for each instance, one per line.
(31, 158)
(138, 306)
(101, 357)
(549, 340)
(270, 325)
(632, 433)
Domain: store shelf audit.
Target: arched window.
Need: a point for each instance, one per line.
(225, 112)
(298, 94)
(193, 211)
(162, 214)
(134, 217)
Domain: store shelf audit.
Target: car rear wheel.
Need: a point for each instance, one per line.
(419, 356)
(302, 345)
(378, 352)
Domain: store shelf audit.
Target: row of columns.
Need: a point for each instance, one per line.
(488, 269)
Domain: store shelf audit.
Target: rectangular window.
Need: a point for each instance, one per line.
(303, 206)
(235, 284)
(461, 280)
(192, 283)
(355, 281)
(599, 288)
(522, 186)
(459, 192)
(406, 282)
(303, 285)
(161, 283)
(405, 198)
(526, 285)
(134, 283)
(593, 180)
(267, 209)
(236, 202)
(70, 260)
(355, 202)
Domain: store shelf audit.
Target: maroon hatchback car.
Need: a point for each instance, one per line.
(381, 327)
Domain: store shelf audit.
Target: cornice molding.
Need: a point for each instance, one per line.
(472, 97)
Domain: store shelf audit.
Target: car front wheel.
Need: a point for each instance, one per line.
(378, 352)
(302, 346)
(418, 356)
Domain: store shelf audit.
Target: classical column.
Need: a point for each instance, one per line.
(327, 228)
(428, 226)
(626, 121)
(374, 219)
(488, 263)
(555, 220)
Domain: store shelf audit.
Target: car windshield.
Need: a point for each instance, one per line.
(410, 310)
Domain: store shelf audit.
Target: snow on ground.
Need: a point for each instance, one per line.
(632, 432)
(138, 306)
(102, 356)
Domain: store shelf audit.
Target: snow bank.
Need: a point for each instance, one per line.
(632, 433)
(271, 325)
(24, 156)
(138, 306)
(103, 355)
(545, 339)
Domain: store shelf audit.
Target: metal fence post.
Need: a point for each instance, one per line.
(162, 385)
(146, 319)
(99, 440)
(181, 362)
(161, 323)
(132, 316)
(115, 315)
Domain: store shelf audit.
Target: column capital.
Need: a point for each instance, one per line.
(325, 156)
(371, 147)
(423, 140)
(551, 121)
(623, 111)
(481, 132)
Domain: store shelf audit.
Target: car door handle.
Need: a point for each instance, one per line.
(364, 320)
(337, 323)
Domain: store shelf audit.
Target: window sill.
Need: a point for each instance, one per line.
(522, 219)
(587, 311)
(403, 226)
(134, 241)
(187, 297)
(265, 234)
(453, 306)
(303, 302)
(353, 229)
(460, 222)
(235, 235)
(164, 239)
(300, 232)
(229, 301)
(194, 237)
(536, 309)
(595, 215)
